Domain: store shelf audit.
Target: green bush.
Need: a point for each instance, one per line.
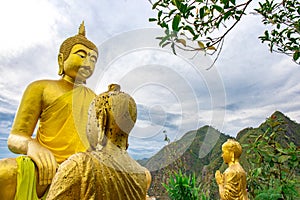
(182, 187)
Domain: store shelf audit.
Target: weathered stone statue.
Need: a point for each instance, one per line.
(106, 171)
(61, 108)
(232, 183)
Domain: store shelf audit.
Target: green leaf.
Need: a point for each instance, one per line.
(283, 158)
(164, 25)
(202, 12)
(152, 19)
(190, 29)
(218, 8)
(296, 55)
(189, 8)
(176, 22)
(171, 12)
(164, 39)
(227, 15)
(155, 5)
(225, 1)
(178, 4)
(173, 48)
(233, 2)
(159, 14)
(278, 26)
(165, 44)
(195, 37)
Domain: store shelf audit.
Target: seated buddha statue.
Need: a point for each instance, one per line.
(57, 110)
(106, 171)
(232, 183)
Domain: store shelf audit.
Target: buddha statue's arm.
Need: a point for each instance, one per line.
(220, 181)
(26, 119)
(229, 187)
(20, 139)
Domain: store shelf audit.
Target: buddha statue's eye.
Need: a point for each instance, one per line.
(93, 59)
(81, 54)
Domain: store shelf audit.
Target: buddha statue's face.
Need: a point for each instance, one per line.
(226, 155)
(80, 63)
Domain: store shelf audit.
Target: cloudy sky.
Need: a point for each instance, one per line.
(175, 94)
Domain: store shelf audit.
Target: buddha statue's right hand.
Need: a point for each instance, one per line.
(219, 177)
(44, 160)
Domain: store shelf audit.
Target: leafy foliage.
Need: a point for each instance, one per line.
(270, 194)
(274, 161)
(201, 25)
(183, 187)
(284, 17)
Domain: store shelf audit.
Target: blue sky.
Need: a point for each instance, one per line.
(174, 94)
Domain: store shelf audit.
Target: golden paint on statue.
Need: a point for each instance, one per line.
(106, 171)
(232, 183)
(49, 103)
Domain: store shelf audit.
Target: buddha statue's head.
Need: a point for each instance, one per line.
(114, 113)
(69, 43)
(231, 151)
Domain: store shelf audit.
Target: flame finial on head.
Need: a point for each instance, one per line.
(82, 29)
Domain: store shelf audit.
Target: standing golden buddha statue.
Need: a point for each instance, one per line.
(106, 171)
(232, 183)
(59, 107)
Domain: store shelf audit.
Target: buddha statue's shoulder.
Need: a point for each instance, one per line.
(80, 161)
(237, 167)
(44, 82)
(48, 90)
(235, 170)
(41, 85)
(36, 89)
(132, 165)
(81, 158)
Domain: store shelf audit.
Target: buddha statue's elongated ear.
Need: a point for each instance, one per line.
(60, 60)
(232, 156)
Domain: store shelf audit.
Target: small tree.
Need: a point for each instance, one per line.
(206, 23)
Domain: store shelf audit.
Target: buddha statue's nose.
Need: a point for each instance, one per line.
(87, 62)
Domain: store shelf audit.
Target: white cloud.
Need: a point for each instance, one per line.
(25, 24)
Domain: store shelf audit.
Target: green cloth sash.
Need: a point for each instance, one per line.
(26, 180)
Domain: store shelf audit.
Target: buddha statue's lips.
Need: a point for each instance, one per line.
(85, 67)
(85, 71)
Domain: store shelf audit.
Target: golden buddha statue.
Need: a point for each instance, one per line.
(61, 122)
(232, 183)
(106, 171)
